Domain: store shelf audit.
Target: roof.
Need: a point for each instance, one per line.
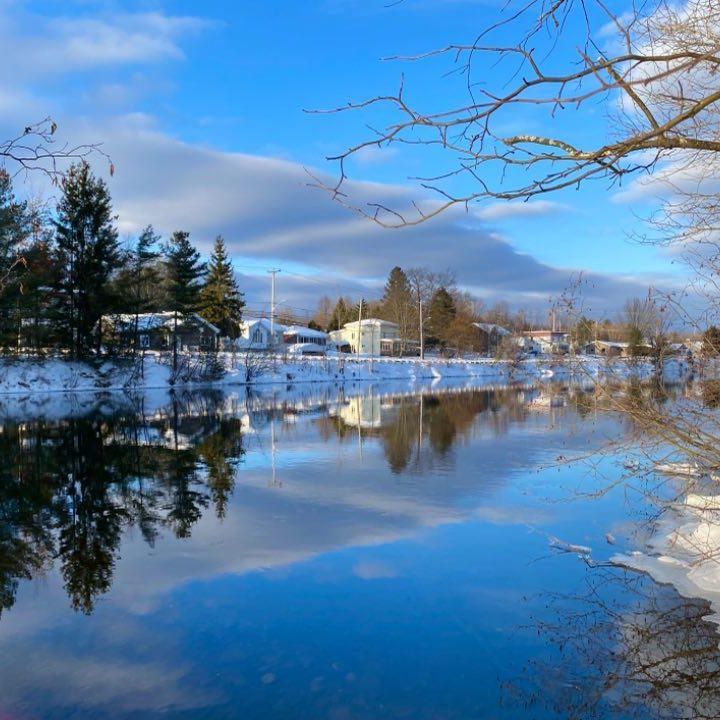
(543, 333)
(154, 321)
(618, 344)
(308, 347)
(265, 323)
(371, 321)
(490, 327)
(305, 332)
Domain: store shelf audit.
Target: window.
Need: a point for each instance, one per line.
(257, 335)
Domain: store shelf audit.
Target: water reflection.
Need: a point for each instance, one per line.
(69, 490)
(626, 647)
(324, 554)
(417, 432)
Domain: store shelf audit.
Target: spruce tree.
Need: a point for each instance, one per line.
(14, 230)
(184, 274)
(398, 303)
(341, 314)
(441, 313)
(221, 300)
(14, 223)
(139, 285)
(87, 255)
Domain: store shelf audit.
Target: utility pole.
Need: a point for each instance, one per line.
(422, 330)
(359, 344)
(272, 272)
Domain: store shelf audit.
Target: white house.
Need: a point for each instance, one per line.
(373, 336)
(549, 341)
(255, 334)
(301, 340)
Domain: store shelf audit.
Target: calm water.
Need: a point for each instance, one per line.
(376, 556)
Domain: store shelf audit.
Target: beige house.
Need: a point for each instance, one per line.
(373, 336)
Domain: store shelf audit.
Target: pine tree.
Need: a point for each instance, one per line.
(139, 284)
(398, 303)
(221, 300)
(87, 255)
(441, 313)
(14, 223)
(14, 230)
(341, 314)
(184, 274)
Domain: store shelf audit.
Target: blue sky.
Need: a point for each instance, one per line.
(201, 107)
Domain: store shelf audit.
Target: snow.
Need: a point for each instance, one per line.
(684, 550)
(305, 332)
(375, 322)
(26, 375)
(153, 321)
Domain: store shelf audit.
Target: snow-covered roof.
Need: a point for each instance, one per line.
(305, 332)
(371, 321)
(154, 321)
(264, 322)
(491, 327)
(308, 347)
(612, 343)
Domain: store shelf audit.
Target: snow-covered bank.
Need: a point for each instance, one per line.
(27, 376)
(684, 550)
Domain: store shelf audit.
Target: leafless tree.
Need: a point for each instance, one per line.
(36, 149)
(653, 69)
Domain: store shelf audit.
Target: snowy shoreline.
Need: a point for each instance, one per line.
(31, 376)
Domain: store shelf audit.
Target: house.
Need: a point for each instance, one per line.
(370, 337)
(154, 331)
(610, 348)
(490, 336)
(549, 341)
(255, 334)
(301, 340)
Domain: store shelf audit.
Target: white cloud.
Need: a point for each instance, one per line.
(519, 210)
(265, 209)
(61, 45)
(262, 205)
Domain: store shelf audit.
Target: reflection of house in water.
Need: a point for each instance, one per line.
(363, 412)
(417, 431)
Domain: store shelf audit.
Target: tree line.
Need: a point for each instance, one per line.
(430, 309)
(66, 268)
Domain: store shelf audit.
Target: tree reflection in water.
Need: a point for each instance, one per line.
(417, 431)
(69, 490)
(628, 648)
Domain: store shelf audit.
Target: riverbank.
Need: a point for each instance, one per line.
(28, 376)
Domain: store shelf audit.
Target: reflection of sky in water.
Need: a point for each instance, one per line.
(366, 568)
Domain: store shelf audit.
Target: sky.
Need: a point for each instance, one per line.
(201, 107)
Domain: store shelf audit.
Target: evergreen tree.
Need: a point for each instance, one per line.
(184, 274)
(14, 230)
(341, 314)
(221, 300)
(87, 254)
(140, 282)
(14, 223)
(398, 304)
(441, 313)
(34, 295)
